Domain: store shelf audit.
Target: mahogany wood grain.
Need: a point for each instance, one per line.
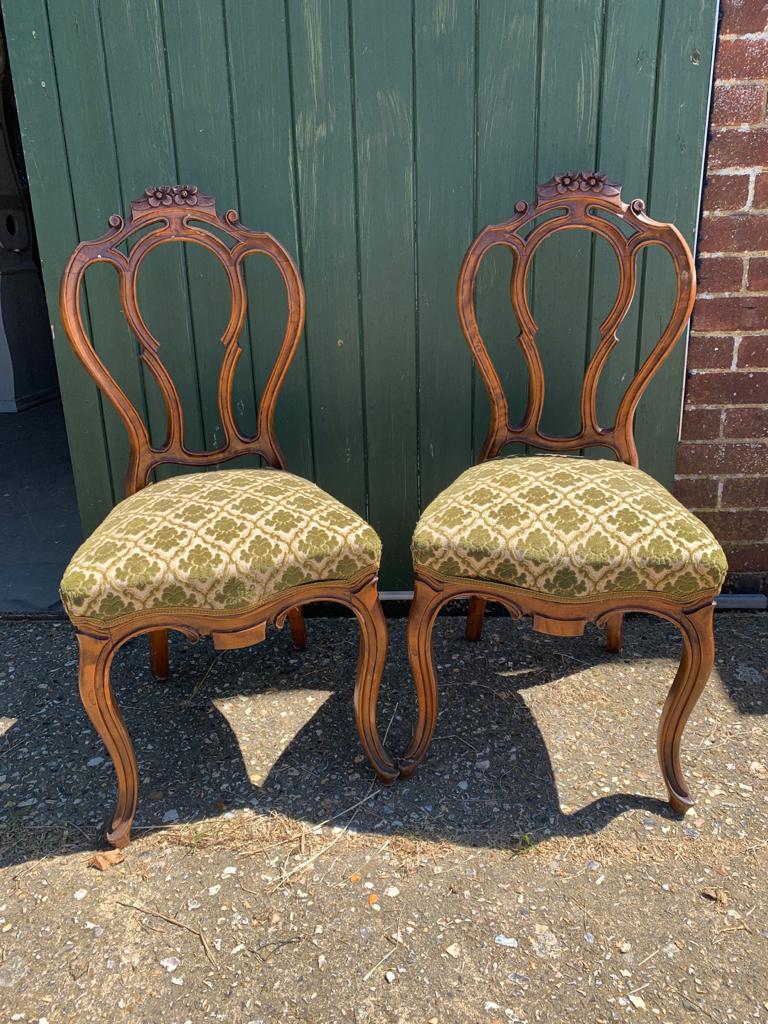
(571, 200)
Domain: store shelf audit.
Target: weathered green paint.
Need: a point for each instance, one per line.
(374, 140)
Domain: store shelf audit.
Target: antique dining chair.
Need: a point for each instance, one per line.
(222, 553)
(568, 539)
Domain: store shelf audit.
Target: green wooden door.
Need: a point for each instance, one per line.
(374, 139)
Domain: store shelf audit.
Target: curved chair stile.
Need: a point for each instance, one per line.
(106, 619)
(446, 563)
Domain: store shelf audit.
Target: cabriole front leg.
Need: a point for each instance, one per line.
(370, 665)
(693, 672)
(96, 654)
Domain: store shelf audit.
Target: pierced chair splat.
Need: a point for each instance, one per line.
(560, 537)
(223, 554)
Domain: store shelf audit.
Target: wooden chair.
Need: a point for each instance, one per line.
(223, 553)
(569, 540)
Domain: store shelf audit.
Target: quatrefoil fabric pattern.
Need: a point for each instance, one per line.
(569, 528)
(215, 542)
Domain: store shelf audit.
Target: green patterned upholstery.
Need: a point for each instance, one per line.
(568, 528)
(217, 542)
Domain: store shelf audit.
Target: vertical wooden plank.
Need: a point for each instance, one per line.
(506, 173)
(262, 126)
(142, 112)
(569, 86)
(627, 96)
(682, 104)
(81, 75)
(444, 64)
(320, 73)
(45, 149)
(383, 128)
(200, 102)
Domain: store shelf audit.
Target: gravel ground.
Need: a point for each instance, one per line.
(529, 872)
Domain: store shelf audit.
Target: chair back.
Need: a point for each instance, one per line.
(181, 213)
(574, 200)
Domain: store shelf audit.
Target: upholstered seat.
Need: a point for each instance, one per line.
(218, 542)
(569, 528)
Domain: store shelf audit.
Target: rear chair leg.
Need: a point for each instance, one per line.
(96, 655)
(158, 653)
(298, 632)
(475, 619)
(614, 625)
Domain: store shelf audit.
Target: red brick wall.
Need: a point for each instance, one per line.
(722, 465)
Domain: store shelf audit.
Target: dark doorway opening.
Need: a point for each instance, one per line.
(39, 520)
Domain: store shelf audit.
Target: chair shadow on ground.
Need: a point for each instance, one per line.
(272, 729)
(741, 660)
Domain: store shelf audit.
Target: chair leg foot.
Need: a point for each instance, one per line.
(96, 655)
(298, 631)
(693, 672)
(426, 604)
(158, 653)
(370, 665)
(614, 626)
(475, 615)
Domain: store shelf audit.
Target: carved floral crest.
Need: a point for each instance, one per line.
(578, 181)
(160, 196)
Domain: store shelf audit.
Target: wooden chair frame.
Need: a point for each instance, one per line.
(183, 214)
(574, 198)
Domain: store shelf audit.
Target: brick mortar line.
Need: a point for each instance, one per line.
(740, 128)
(733, 169)
(733, 254)
(732, 508)
(718, 332)
(762, 294)
(720, 508)
(719, 479)
(739, 211)
(733, 545)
